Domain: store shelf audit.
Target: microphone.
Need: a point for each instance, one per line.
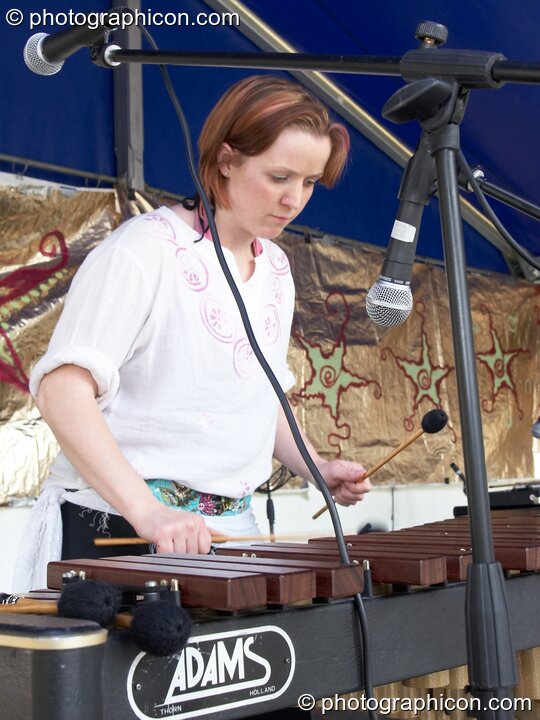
(389, 300)
(536, 429)
(45, 54)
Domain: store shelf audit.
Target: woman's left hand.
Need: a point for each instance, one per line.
(344, 480)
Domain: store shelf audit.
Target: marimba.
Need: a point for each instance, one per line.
(271, 622)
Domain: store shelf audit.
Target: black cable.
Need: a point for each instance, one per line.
(522, 252)
(277, 479)
(270, 510)
(244, 315)
(338, 530)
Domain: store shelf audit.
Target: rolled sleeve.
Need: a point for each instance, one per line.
(105, 309)
(105, 374)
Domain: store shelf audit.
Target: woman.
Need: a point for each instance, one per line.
(165, 419)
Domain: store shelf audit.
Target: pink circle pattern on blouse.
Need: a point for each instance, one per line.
(244, 359)
(163, 224)
(217, 319)
(277, 289)
(193, 270)
(278, 259)
(272, 330)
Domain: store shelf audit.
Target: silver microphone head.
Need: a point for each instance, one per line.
(536, 429)
(389, 303)
(34, 58)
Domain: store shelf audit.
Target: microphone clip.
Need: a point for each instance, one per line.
(103, 55)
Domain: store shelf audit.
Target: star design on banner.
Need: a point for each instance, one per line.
(498, 361)
(425, 376)
(329, 376)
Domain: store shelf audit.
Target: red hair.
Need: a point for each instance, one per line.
(250, 117)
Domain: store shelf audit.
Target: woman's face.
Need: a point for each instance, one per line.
(267, 191)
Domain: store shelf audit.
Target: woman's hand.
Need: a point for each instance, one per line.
(344, 480)
(172, 530)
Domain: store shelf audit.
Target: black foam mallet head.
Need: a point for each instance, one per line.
(160, 627)
(90, 600)
(434, 420)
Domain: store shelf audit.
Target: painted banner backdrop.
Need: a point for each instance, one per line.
(44, 238)
(361, 389)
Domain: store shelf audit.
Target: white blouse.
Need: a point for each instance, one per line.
(150, 315)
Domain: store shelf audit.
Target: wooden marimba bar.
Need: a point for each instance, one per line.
(214, 582)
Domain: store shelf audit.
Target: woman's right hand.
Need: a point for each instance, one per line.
(172, 530)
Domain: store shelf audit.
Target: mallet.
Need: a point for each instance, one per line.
(432, 422)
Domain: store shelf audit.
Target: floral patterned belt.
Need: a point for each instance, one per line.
(176, 495)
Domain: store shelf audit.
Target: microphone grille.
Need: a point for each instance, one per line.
(388, 303)
(34, 58)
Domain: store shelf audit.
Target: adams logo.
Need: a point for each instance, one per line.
(213, 672)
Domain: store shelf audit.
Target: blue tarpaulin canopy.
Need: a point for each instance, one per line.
(68, 119)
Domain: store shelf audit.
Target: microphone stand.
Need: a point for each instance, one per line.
(439, 81)
(490, 655)
(491, 661)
